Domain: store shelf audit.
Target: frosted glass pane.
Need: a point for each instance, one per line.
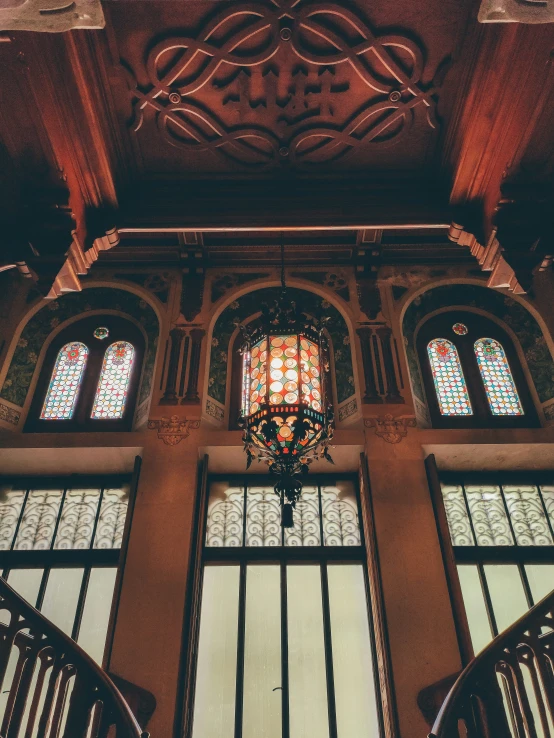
(26, 582)
(356, 706)
(96, 613)
(456, 514)
(39, 519)
(306, 531)
(474, 603)
(77, 519)
(11, 502)
(541, 580)
(307, 678)
(214, 705)
(111, 521)
(340, 514)
(507, 593)
(262, 653)
(225, 513)
(61, 597)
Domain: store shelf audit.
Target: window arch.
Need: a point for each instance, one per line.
(472, 373)
(89, 378)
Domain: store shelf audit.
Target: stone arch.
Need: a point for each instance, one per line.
(247, 305)
(513, 314)
(44, 321)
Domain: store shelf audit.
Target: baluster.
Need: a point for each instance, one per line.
(14, 686)
(527, 657)
(29, 648)
(545, 672)
(515, 694)
(80, 705)
(494, 718)
(51, 692)
(64, 676)
(46, 660)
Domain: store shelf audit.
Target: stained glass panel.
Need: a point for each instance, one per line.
(283, 370)
(527, 514)
(113, 385)
(488, 514)
(257, 386)
(77, 519)
(311, 373)
(11, 502)
(65, 382)
(452, 394)
(456, 514)
(497, 378)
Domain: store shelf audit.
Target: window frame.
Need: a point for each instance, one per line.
(481, 556)
(121, 329)
(283, 555)
(479, 326)
(87, 559)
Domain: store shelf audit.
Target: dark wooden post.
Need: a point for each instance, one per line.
(393, 393)
(371, 396)
(170, 394)
(196, 336)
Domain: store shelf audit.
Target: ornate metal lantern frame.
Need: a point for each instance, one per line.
(286, 415)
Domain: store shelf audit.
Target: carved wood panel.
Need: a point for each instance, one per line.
(282, 84)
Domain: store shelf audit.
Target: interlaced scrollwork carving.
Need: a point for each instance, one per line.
(281, 65)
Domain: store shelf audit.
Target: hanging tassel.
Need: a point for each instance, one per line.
(286, 516)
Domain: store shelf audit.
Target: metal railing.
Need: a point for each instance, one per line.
(49, 687)
(507, 690)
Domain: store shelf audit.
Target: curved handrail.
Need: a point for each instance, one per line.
(479, 679)
(96, 701)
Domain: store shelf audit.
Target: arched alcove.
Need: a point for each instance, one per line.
(249, 305)
(509, 312)
(44, 322)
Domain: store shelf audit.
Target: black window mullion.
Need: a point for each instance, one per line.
(80, 604)
(328, 645)
(243, 517)
(501, 488)
(60, 511)
(97, 517)
(239, 688)
(526, 585)
(469, 517)
(547, 516)
(284, 654)
(20, 518)
(42, 588)
(320, 503)
(488, 600)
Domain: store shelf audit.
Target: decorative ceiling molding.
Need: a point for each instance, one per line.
(283, 69)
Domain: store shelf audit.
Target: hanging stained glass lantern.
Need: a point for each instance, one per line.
(285, 414)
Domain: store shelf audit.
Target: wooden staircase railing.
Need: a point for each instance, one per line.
(506, 691)
(49, 687)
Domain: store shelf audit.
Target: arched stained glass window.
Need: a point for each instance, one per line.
(448, 376)
(113, 385)
(65, 382)
(497, 377)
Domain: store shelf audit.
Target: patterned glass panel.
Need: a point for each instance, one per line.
(225, 513)
(65, 382)
(448, 376)
(283, 370)
(456, 514)
(527, 514)
(340, 515)
(306, 531)
(258, 375)
(547, 492)
(497, 378)
(311, 373)
(39, 520)
(77, 520)
(488, 514)
(111, 521)
(113, 385)
(263, 517)
(11, 502)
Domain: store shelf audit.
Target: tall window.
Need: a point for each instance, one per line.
(59, 548)
(502, 532)
(89, 377)
(285, 646)
(472, 373)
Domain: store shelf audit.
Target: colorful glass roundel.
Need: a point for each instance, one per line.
(497, 378)
(460, 329)
(65, 382)
(452, 394)
(113, 385)
(101, 333)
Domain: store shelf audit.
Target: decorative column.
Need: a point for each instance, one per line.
(196, 336)
(371, 396)
(170, 394)
(393, 393)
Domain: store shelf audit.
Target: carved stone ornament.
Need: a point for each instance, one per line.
(278, 84)
(516, 11)
(390, 429)
(174, 429)
(52, 16)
